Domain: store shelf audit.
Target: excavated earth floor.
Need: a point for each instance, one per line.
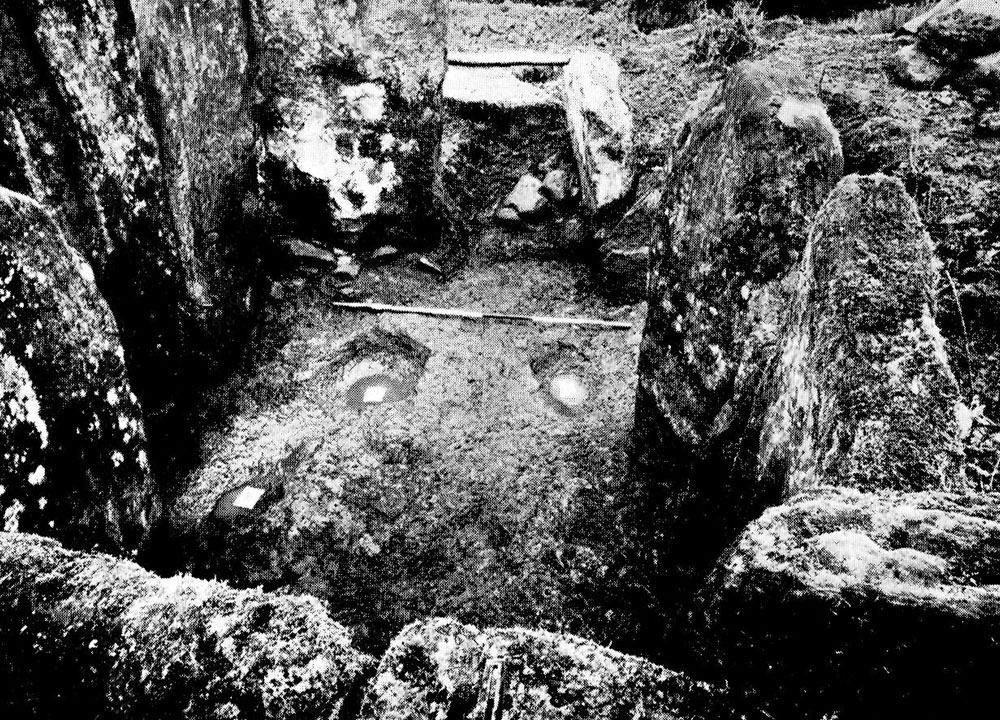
(487, 482)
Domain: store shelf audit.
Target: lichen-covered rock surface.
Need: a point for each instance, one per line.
(865, 394)
(962, 30)
(352, 94)
(442, 668)
(860, 604)
(753, 163)
(123, 643)
(64, 368)
(24, 436)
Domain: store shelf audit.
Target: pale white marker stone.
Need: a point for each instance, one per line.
(374, 394)
(248, 498)
(568, 390)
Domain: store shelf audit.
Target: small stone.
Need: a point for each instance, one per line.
(507, 215)
(385, 252)
(558, 185)
(347, 266)
(911, 67)
(526, 197)
(989, 122)
(305, 252)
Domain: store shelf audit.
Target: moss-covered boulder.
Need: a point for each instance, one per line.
(442, 668)
(754, 161)
(352, 100)
(861, 605)
(85, 432)
(92, 636)
(865, 396)
(23, 437)
(962, 30)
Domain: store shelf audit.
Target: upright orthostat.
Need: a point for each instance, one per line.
(753, 163)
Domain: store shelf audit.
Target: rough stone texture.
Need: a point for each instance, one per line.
(754, 161)
(95, 96)
(861, 605)
(501, 123)
(913, 68)
(865, 395)
(56, 325)
(125, 643)
(80, 139)
(23, 437)
(442, 668)
(196, 66)
(983, 75)
(526, 197)
(600, 126)
(352, 91)
(962, 31)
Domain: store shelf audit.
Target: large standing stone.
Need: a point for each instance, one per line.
(91, 121)
(600, 126)
(442, 668)
(196, 63)
(865, 395)
(92, 636)
(753, 164)
(86, 437)
(861, 605)
(353, 100)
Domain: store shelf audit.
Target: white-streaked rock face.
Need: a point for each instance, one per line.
(76, 444)
(755, 159)
(601, 128)
(353, 92)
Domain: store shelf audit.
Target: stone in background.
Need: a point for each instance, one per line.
(72, 410)
(352, 112)
(865, 396)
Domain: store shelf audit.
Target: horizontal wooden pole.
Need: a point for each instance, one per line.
(507, 58)
(476, 315)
